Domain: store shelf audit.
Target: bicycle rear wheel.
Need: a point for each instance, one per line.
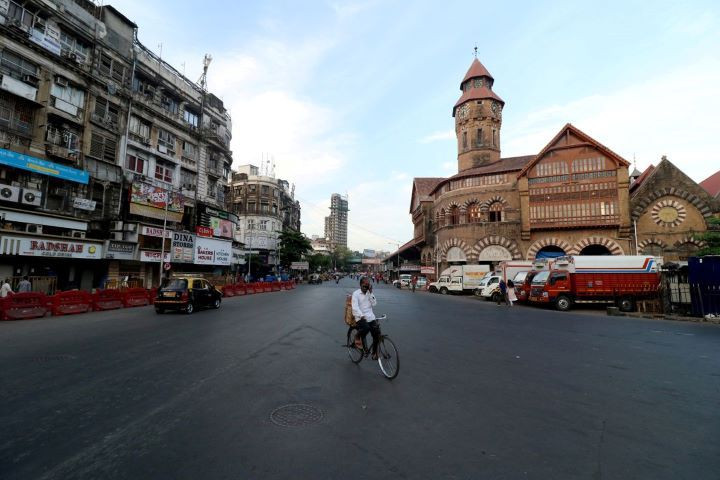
(355, 354)
(388, 358)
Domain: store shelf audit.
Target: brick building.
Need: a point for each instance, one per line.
(573, 197)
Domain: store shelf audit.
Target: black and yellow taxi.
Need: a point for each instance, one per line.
(186, 294)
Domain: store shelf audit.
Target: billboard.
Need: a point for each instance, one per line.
(209, 251)
(149, 201)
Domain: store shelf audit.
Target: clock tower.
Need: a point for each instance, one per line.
(478, 117)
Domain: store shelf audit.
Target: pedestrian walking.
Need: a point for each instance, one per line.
(24, 285)
(5, 288)
(511, 293)
(413, 282)
(502, 297)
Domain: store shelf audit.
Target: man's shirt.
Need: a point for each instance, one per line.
(362, 304)
(24, 286)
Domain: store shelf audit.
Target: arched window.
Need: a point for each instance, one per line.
(653, 249)
(474, 213)
(443, 217)
(495, 212)
(464, 140)
(686, 250)
(454, 215)
(437, 220)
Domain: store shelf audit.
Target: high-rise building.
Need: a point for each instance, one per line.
(336, 222)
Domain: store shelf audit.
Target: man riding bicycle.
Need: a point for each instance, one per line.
(362, 302)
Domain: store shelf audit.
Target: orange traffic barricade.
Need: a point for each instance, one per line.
(71, 302)
(21, 306)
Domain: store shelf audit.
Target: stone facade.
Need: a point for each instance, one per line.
(573, 197)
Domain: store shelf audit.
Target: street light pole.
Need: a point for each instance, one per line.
(162, 241)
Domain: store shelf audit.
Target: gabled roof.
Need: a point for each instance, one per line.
(569, 128)
(509, 164)
(476, 69)
(643, 176)
(712, 184)
(422, 186)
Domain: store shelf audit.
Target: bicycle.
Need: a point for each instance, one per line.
(388, 356)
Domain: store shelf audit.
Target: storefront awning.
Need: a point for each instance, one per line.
(42, 167)
(14, 216)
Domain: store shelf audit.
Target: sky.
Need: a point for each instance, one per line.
(355, 97)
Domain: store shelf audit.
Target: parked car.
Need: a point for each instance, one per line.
(187, 294)
(315, 278)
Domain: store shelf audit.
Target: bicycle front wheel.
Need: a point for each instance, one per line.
(355, 354)
(388, 358)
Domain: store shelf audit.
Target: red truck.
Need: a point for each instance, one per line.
(619, 280)
(522, 280)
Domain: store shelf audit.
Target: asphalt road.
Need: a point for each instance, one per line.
(483, 392)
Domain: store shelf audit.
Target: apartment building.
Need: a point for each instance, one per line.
(336, 223)
(265, 206)
(98, 136)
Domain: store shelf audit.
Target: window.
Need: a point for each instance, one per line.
(135, 164)
(71, 44)
(263, 225)
(140, 129)
(191, 117)
(102, 147)
(252, 188)
(494, 138)
(479, 137)
(143, 86)
(71, 99)
(188, 179)
(454, 215)
(62, 137)
(464, 139)
(166, 139)
(474, 213)
(265, 190)
(164, 172)
(251, 207)
(212, 189)
(251, 224)
(188, 149)
(495, 212)
(105, 112)
(264, 207)
(15, 114)
(112, 68)
(16, 65)
(169, 104)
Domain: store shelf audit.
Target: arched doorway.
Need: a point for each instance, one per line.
(550, 251)
(455, 255)
(595, 250)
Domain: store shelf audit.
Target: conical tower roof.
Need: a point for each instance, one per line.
(476, 69)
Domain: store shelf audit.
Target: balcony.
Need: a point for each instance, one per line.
(214, 169)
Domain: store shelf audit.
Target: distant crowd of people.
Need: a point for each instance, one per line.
(23, 286)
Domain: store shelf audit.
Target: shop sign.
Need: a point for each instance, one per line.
(221, 214)
(42, 167)
(117, 250)
(204, 231)
(409, 268)
(183, 247)
(42, 247)
(221, 228)
(427, 270)
(84, 204)
(155, 232)
(299, 266)
(209, 251)
(153, 256)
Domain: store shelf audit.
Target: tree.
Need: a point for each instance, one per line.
(319, 261)
(340, 256)
(292, 246)
(711, 238)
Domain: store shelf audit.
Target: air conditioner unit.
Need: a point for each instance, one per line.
(30, 79)
(31, 197)
(33, 228)
(117, 225)
(130, 227)
(78, 234)
(61, 81)
(162, 149)
(117, 235)
(9, 193)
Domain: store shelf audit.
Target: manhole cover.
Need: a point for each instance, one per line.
(52, 358)
(296, 415)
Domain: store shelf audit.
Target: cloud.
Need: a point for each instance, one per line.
(438, 136)
(673, 114)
